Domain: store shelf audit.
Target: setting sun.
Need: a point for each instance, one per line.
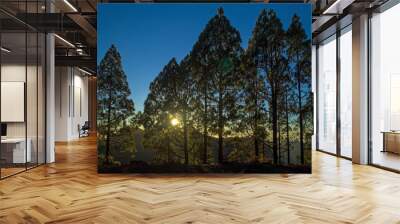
(174, 121)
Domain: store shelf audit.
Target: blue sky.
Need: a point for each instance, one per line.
(149, 35)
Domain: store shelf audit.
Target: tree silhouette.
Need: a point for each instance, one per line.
(267, 47)
(114, 105)
(185, 99)
(200, 68)
(287, 106)
(219, 51)
(253, 102)
(160, 107)
(285, 102)
(299, 56)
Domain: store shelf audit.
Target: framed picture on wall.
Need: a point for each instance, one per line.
(204, 88)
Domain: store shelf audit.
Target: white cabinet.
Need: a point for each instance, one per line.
(19, 155)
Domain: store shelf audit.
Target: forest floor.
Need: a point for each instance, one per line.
(142, 167)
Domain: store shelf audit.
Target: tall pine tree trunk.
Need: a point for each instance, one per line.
(256, 149)
(274, 123)
(168, 148)
(300, 115)
(185, 136)
(205, 138)
(287, 127)
(220, 131)
(274, 107)
(279, 144)
(263, 150)
(220, 146)
(108, 129)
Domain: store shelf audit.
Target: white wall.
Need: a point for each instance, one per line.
(16, 73)
(71, 102)
(62, 81)
(80, 110)
(12, 73)
(33, 126)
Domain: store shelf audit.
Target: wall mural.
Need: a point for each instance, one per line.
(204, 88)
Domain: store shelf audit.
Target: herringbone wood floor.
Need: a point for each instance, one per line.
(70, 191)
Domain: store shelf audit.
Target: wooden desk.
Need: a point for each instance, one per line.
(13, 150)
(391, 141)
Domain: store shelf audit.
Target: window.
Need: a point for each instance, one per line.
(385, 89)
(346, 92)
(22, 88)
(327, 95)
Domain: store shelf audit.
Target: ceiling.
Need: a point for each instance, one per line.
(75, 22)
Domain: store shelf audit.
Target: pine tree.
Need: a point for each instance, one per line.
(200, 68)
(287, 112)
(114, 104)
(184, 96)
(299, 56)
(285, 101)
(267, 47)
(159, 108)
(253, 96)
(218, 51)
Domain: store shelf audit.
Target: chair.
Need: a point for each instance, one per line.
(84, 130)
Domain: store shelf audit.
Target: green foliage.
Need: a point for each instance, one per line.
(241, 151)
